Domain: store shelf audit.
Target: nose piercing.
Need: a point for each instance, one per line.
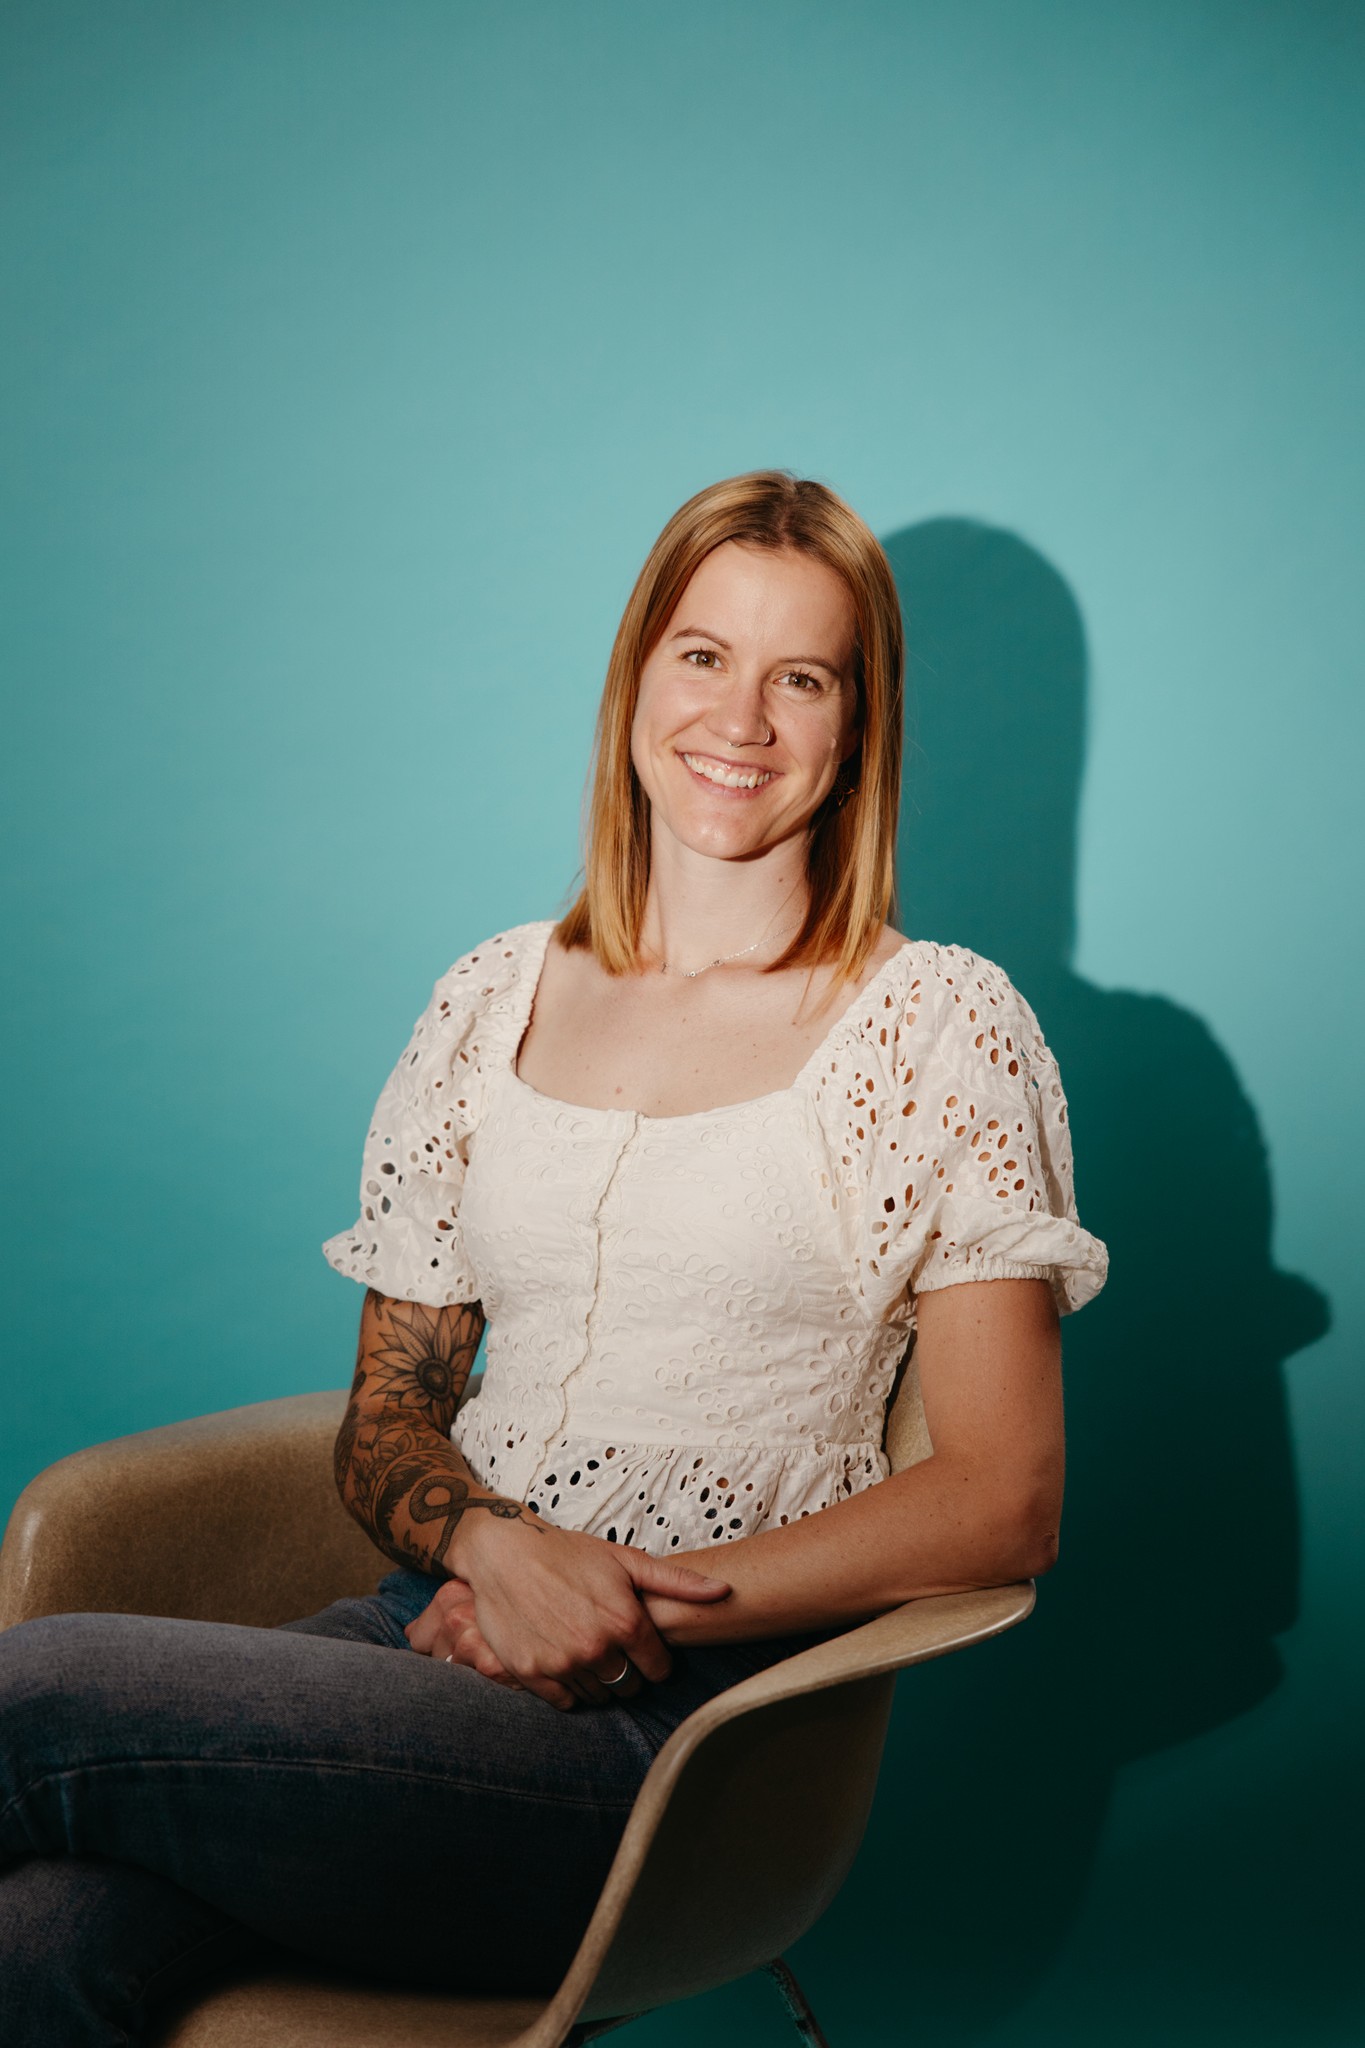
(767, 735)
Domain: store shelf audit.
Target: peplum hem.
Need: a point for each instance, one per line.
(662, 1497)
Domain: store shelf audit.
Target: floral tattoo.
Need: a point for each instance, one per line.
(397, 1471)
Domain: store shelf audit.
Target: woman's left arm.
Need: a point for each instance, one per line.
(982, 1511)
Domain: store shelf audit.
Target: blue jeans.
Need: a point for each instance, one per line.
(182, 1797)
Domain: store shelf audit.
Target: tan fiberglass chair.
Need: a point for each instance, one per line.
(786, 1761)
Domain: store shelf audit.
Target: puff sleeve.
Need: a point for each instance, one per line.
(407, 1240)
(972, 1177)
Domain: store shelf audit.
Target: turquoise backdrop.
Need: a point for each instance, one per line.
(354, 354)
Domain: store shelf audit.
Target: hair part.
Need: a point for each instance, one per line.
(851, 868)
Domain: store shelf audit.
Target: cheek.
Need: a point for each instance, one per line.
(644, 727)
(838, 734)
(639, 726)
(641, 737)
(848, 734)
(648, 707)
(664, 708)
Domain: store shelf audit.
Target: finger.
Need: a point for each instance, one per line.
(422, 1632)
(548, 1686)
(666, 1613)
(429, 1642)
(553, 1692)
(440, 1611)
(454, 1618)
(619, 1681)
(588, 1688)
(467, 1647)
(678, 1581)
(457, 1642)
(645, 1647)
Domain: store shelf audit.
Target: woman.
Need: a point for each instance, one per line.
(705, 1154)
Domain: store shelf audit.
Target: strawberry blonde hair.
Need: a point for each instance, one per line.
(851, 859)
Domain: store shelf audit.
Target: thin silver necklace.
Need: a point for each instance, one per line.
(691, 973)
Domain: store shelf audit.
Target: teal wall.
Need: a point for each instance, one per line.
(355, 354)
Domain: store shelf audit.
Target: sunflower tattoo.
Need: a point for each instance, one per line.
(425, 1362)
(396, 1469)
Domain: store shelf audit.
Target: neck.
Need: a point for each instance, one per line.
(700, 909)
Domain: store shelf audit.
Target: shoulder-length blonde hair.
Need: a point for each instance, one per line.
(851, 861)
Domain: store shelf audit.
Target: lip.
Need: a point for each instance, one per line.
(720, 788)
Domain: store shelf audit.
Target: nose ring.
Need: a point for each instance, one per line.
(767, 735)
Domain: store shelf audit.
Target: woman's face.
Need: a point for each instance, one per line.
(748, 704)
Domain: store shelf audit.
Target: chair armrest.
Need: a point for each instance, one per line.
(663, 1928)
(912, 1634)
(229, 1517)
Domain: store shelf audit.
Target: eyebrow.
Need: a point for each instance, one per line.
(705, 633)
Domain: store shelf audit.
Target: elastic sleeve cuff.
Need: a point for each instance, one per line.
(389, 1269)
(1071, 1286)
(951, 1274)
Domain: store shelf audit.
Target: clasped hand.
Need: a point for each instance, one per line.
(554, 1611)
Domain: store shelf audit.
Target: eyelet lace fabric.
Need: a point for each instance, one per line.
(694, 1322)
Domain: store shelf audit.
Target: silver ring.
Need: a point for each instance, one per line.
(767, 735)
(622, 1675)
(451, 1658)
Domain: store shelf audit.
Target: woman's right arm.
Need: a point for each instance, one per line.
(397, 1471)
(558, 1609)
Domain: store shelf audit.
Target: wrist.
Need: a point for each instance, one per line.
(480, 1531)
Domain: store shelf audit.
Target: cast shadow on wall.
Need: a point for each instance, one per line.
(1180, 1542)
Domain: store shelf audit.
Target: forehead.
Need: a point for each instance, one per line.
(769, 595)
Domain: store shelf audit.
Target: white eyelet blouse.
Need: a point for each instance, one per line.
(694, 1321)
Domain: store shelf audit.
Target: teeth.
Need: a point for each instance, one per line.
(728, 778)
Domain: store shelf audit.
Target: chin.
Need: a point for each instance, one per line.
(720, 844)
(737, 838)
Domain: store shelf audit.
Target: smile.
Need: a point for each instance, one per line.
(724, 776)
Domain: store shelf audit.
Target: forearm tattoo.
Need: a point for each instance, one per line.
(396, 1469)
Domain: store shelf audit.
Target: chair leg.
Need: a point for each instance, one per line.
(588, 2030)
(796, 2002)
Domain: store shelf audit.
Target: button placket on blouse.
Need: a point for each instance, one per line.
(595, 1222)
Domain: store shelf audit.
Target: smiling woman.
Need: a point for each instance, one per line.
(785, 730)
(763, 633)
(706, 1156)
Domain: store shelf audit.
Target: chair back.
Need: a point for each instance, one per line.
(227, 1517)
(763, 1821)
(761, 1829)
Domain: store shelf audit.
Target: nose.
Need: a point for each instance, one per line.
(737, 716)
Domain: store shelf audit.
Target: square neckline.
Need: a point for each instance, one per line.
(525, 1010)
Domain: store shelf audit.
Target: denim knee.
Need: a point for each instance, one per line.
(46, 1665)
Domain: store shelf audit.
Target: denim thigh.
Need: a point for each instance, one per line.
(330, 1789)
